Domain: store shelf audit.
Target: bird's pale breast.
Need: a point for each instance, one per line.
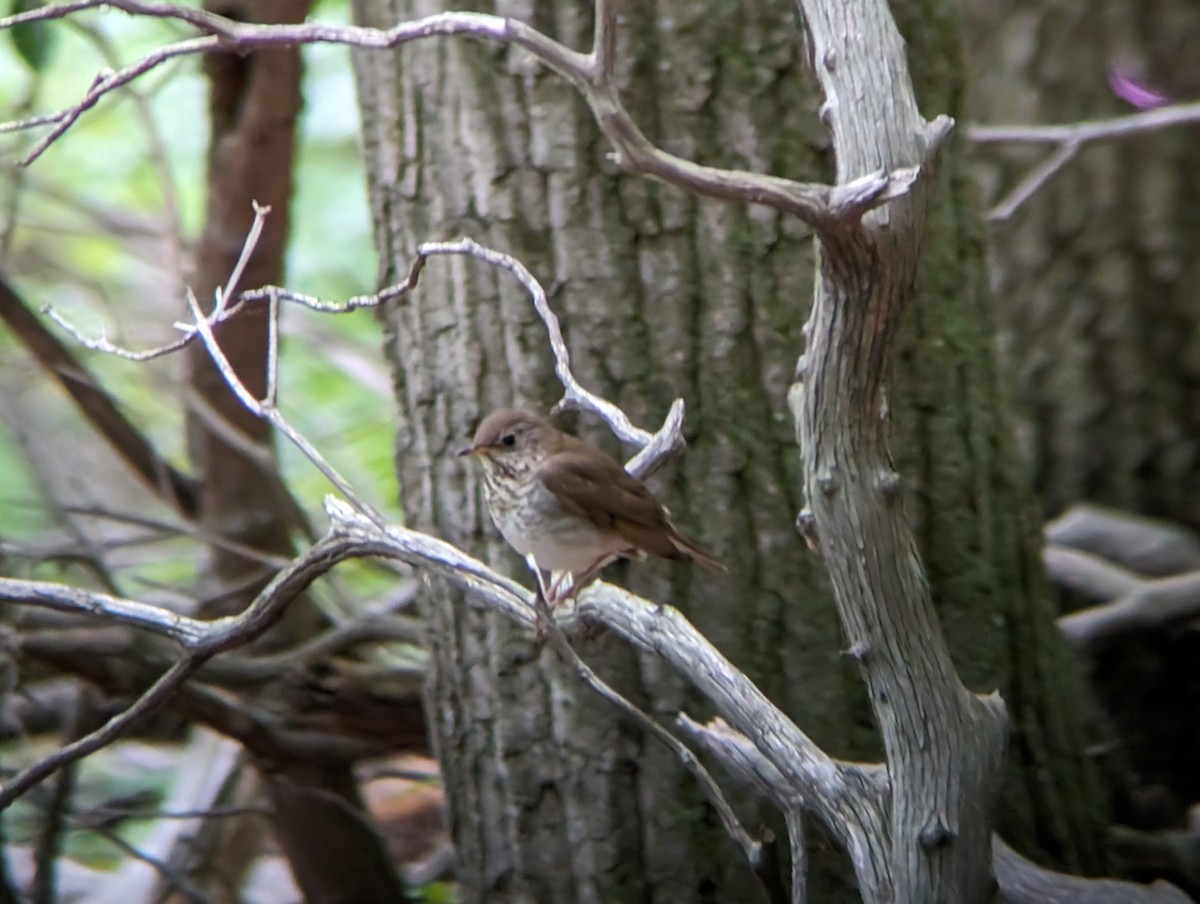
(533, 523)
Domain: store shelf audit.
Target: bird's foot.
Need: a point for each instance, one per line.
(559, 590)
(542, 613)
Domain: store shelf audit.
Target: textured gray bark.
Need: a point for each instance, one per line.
(661, 295)
(1097, 272)
(1096, 279)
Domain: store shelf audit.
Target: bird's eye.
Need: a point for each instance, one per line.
(509, 439)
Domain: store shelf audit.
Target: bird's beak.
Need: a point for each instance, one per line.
(469, 450)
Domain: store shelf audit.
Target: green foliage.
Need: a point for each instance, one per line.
(131, 776)
(88, 216)
(32, 41)
(437, 893)
(21, 512)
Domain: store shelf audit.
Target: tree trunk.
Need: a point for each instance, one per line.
(254, 104)
(555, 798)
(255, 101)
(1097, 270)
(1096, 275)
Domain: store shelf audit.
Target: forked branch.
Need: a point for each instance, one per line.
(824, 207)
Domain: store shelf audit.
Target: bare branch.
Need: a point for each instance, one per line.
(96, 405)
(1071, 138)
(751, 848)
(1036, 178)
(743, 760)
(54, 823)
(157, 694)
(63, 598)
(1159, 603)
(1091, 537)
(261, 212)
(851, 200)
(849, 799)
(1143, 545)
(1024, 882)
(102, 343)
(44, 13)
(655, 447)
(1087, 574)
(271, 414)
(938, 833)
(201, 640)
(799, 851)
(592, 74)
(604, 44)
(1087, 131)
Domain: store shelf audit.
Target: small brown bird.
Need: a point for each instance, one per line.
(568, 506)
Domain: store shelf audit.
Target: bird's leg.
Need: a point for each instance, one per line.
(586, 576)
(542, 601)
(556, 587)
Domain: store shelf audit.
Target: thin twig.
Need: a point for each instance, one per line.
(201, 641)
(574, 395)
(45, 13)
(174, 879)
(751, 847)
(118, 725)
(109, 815)
(1035, 179)
(271, 414)
(1087, 131)
(102, 343)
(794, 817)
(604, 44)
(822, 206)
(54, 821)
(1071, 138)
(261, 212)
(272, 393)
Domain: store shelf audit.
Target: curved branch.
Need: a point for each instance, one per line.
(96, 405)
(938, 831)
(1155, 604)
(822, 206)
(201, 645)
(846, 797)
(1144, 545)
(1091, 130)
(1023, 882)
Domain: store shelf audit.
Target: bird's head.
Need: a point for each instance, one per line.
(507, 440)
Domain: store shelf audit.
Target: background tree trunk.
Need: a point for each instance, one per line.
(553, 797)
(255, 101)
(1096, 279)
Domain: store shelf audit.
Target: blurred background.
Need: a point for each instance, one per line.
(1087, 296)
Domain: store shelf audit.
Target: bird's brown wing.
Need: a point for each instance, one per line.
(608, 496)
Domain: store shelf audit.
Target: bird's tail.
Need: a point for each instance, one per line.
(687, 549)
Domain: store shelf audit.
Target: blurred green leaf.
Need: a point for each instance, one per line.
(438, 893)
(33, 40)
